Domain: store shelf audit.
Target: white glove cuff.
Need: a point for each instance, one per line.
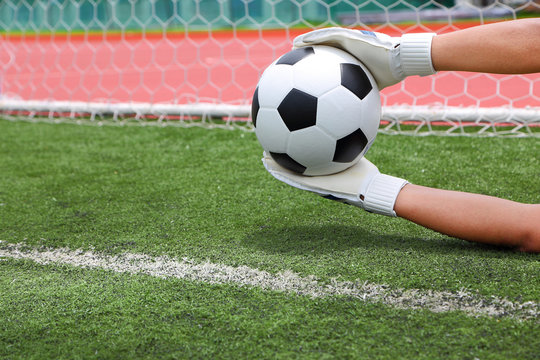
(415, 54)
(382, 193)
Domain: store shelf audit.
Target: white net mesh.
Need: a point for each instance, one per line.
(196, 62)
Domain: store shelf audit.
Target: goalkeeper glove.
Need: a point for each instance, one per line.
(361, 185)
(389, 59)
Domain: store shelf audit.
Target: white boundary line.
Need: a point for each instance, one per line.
(287, 281)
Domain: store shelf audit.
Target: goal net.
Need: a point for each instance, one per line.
(197, 62)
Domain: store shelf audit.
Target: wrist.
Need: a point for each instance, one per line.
(381, 194)
(415, 54)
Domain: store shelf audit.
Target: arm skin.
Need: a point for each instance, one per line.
(472, 217)
(509, 47)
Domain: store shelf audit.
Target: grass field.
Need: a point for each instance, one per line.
(109, 220)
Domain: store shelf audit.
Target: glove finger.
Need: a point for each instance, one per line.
(339, 36)
(287, 176)
(316, 36)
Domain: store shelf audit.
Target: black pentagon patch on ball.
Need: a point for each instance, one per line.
(354, 78)
(255, 106)
(298, 110)
(294, 56)
(288, 162)
(348, 147)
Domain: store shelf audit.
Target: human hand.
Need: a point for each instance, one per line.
(389, 59)
(361, 185)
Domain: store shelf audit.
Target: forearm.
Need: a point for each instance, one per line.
(509, 47)
(472, 217)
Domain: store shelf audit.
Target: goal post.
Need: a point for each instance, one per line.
(197, 62)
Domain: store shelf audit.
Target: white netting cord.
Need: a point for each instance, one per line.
(195, 62)
(412, 120)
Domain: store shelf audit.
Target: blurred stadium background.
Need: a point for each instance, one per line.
(198, 61)
(40, 15)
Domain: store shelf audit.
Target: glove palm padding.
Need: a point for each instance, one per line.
(360, 185)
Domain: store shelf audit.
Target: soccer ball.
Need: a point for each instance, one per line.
(316, 110)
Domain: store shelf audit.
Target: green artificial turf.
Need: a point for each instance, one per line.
(72, 313)
(204, 194)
